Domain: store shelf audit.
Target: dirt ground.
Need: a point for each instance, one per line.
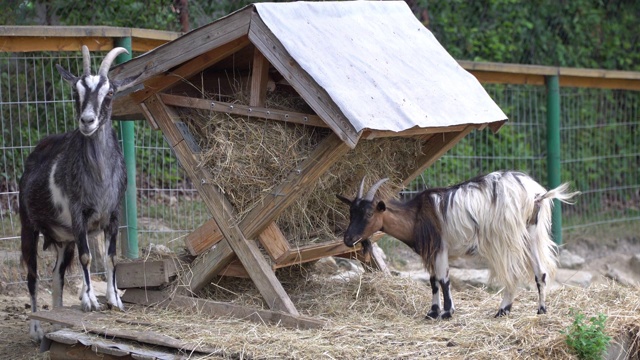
(15, 304)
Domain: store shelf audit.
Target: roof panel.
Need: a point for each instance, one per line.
(379, 64)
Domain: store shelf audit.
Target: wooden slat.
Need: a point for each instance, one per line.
(487, 77)
(185, 48)
(86, 31)
(274, 242)
(259, 79)
(434, 148)
(222, 309)
(318, 251)
(62, 44)
(374, 134)
(163, 81)
(203, 238)
(301, 81)
(243, 110)
(327, 152)
(235, 269)
(94, 322)
(247, 251)
(600, 83)
(207, 266)
(144, 274)
(86, 347)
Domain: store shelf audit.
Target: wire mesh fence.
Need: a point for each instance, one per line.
(600, 155)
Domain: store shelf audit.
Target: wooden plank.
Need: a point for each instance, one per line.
(145, 274)
(221, 309)
(185, 48)
(301, 81)
(59, 351)
(94, 322)
(159, 82)
(203, 238)
(599, 83)
(486, 77)
(243, 110)
(274, 242)
(434, 148)
(86, 31)
(330, 150)
(100, 348)
(374, 134)
(318, 251)
(59, 44)
(259, 79)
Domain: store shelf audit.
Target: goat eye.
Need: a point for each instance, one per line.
(110, 93)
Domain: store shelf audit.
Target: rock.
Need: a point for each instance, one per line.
(326, 265)
(568, 260)
(619, 276)
(469, 277)
(349, 265)
(346, 276)
(634, 263)
(573, 277)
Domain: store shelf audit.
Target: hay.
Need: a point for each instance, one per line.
(249, 158)
(376, 317)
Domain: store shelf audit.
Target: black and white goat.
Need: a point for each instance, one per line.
(71, 189)
(503, 217)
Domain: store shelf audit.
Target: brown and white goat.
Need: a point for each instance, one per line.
(503, 217)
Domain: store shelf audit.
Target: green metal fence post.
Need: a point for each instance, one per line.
(127, 134)
(553, 150)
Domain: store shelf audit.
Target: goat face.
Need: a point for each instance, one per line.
(92, 94)
(365, 218)
(365, 215)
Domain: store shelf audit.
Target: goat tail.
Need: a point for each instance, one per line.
(559, 193)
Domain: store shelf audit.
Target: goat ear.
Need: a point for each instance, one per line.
(380, 206)
(344, 199)
(66, 75)
(125, 83)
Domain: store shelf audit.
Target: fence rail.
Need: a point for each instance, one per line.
(598, 129)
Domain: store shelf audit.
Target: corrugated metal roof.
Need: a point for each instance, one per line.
(379, 64)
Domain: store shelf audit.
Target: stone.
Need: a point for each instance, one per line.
(568, 260)
(462, 278)
(619, 276)
(326, 265)
(573, 277)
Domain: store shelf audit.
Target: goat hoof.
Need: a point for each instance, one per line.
(446, 315)
(542, 310)
(502, 312)
(35, 331)
(431, 315)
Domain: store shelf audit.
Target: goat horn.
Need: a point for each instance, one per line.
(359, 196)
(106, 63)
(372, 191)
(86, 60)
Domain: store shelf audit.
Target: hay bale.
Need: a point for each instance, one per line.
(250, 157)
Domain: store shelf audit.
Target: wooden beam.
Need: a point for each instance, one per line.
(160, 82)
(301, 81)
(59, 44)
(243, 110)
(222, 309)
(207, 266)
(145, 274)
(274, 242)
(203, 238)
(186, 48)
(327, 152)
(259, 79)
(374, 134)
(223, 214)
(434, 148)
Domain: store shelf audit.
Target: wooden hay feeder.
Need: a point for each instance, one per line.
(366, 72)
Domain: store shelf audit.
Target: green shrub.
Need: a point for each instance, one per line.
(587, 340)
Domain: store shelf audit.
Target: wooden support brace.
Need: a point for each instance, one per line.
(222, 212)
(259, 79)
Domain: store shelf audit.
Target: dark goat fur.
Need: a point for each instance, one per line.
(82, 198)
